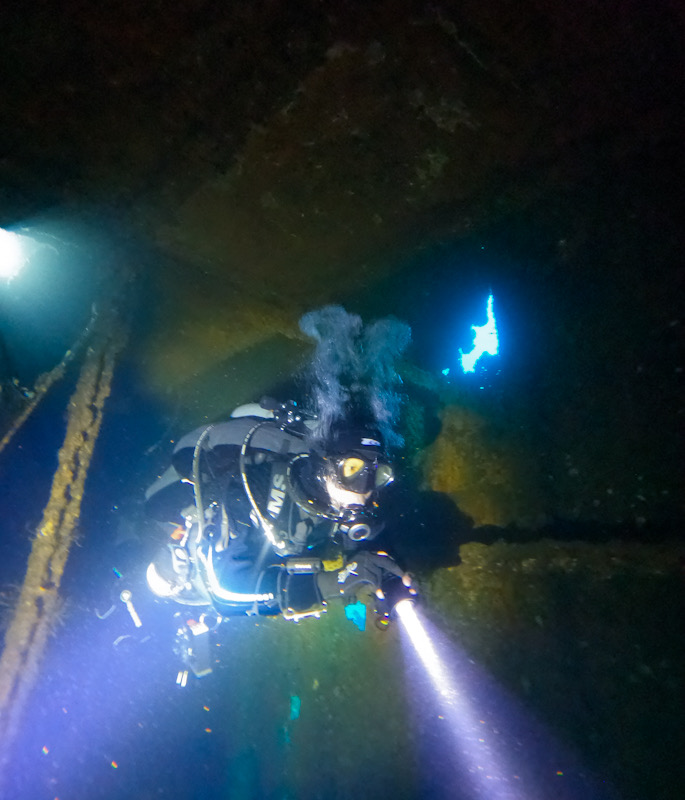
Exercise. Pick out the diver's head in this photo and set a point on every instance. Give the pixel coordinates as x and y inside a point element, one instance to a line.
<point>351,468</point>
<point>340,479</point>
<point>354,465</point>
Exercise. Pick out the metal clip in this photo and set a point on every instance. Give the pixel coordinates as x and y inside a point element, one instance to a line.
<point>126,599</point>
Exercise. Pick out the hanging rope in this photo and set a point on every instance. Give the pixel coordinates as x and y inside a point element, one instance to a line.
<point>39,603</point>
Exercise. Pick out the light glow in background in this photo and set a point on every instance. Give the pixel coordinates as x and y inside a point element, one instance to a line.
<point>13,253</point>
<point>485,340</point>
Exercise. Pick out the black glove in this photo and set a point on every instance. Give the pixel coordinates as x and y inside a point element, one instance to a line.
<point>365,571</point>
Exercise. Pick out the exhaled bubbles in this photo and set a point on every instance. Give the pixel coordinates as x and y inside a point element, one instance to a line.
<point>354,368</point>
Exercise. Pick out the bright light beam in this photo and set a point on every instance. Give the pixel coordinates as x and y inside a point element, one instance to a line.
<point>469,734</point>
<point>424,647</point>
<point>485,341</point>
<point>481,740</point>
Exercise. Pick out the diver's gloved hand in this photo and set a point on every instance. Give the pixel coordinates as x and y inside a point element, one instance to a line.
<point>370,571</point>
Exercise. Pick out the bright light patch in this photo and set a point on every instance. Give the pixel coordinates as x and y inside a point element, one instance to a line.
<point>478,737</point>
<point>485,341</point>
<point>12,256</point>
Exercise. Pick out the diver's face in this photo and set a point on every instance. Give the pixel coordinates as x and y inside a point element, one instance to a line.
<point>341,497</point>
<point>351,480</point>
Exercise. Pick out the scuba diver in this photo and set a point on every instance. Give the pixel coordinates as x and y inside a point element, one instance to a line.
<point>274,511</point>
<point>263,519</point>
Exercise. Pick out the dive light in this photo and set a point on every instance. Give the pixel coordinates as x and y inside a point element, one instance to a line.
<point>393,591</point>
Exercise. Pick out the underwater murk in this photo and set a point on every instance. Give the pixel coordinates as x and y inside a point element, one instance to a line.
<point>433,210</point>
<point>541,656</point>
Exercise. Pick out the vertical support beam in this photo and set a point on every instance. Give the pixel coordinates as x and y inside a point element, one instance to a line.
<point>39,602</point>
